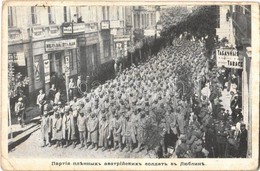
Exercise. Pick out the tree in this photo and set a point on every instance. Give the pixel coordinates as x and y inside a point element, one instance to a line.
<point>171,20</point>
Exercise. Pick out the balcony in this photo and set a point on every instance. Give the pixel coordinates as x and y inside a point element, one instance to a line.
<point>14,35</point>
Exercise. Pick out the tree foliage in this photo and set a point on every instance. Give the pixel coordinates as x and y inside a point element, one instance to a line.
<point>201,22</point>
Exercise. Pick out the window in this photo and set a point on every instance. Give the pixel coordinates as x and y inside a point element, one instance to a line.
<point>106,48</point>
<point>66,14</point>
<point>218,17</point>
<point>10,17</point>
<point>51,15</point>
<point>117,10</point>
<point>34,15</point>
<point>107,13</point>
<point>104,13</point>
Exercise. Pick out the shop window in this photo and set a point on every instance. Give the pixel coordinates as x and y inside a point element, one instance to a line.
<point>51,15</point>
<point>10,17</point>
<point>34,15</point>
<point>106,48</point>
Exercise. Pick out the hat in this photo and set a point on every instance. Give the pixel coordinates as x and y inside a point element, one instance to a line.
<point>20,99</point>
<point>242,124</point>
<point>59,103</point>
<point>67,108</point>
<point>45,113</point>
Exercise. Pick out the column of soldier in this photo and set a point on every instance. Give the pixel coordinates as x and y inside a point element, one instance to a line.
<point>115,114</point>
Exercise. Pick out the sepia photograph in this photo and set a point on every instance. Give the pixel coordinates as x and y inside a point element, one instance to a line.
<point>130,82</point>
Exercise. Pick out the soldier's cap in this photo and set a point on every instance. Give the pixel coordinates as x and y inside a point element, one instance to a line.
<point>67,108</point>
<point>243,124</point>
<point>75,98</point>
<point>45,113</point>
<point>59,103</point>
<point>55,108</point>
<point>183,137</point>
<point>20,99</point>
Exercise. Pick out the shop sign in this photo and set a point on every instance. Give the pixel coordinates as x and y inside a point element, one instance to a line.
<point>36,70</point>
<point>159,27</point>
<point>105,25</point>
<point>121,38</point>
<point>47,70</point>
<point>60,45</point>
<point>149,32</point>
<point>113,32</point>
<point>115,24</point>
<point>74,28</point>
<point>54,30</point>
<point>38,32</point>
<point>17,57</point>
<point>230,58</point>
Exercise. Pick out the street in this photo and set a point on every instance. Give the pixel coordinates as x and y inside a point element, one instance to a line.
<point>32,148</point>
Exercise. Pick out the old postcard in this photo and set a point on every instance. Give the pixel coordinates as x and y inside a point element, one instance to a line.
<point>133,85</point>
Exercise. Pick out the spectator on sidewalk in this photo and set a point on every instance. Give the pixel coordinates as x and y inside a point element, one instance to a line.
<point>57,97</point>
<point>45,125</point>
<point>242,139</point>
<point>82,126</point>
<point>57,129</point>
<point>20,110</point>
<point>41,100</point>
<point>52,93</point>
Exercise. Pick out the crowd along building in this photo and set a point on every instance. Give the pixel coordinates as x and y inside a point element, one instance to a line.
<point>51,43</point>
<point>234,25</point>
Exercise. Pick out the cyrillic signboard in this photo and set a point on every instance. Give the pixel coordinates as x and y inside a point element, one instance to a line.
<point>74,28</point>
<point>105,25</point>
<point>121,38</point>
<point>60,45</point>
<point>229,58</point>
<point>115,24</point>
<point>150,32</point>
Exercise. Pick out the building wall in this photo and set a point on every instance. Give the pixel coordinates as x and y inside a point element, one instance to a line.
<point>32,37</point>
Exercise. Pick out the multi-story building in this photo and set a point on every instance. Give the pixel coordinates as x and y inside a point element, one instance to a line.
<point>144,20</point>
<point>235,25</point>
<point>65,41</point>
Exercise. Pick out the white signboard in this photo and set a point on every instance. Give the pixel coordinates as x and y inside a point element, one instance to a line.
<point>47,70</point>
<point>60,45</point>
<point>121,38</point>
<point>105,25</point>
<point>150,32</point>
<point>113,32</point>
<point>229,58</point>
<point>68,29</point>
<point>115,24</point>
<point>20,58</point>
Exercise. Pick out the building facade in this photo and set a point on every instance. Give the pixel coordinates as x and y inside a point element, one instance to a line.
<point>51,44</point>
<point>235,26</point>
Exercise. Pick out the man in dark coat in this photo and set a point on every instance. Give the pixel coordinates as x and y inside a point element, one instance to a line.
<point>242,148</point>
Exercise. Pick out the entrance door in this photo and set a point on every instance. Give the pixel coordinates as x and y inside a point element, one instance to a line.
<point>83,60</point>
<point>58,62</point>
